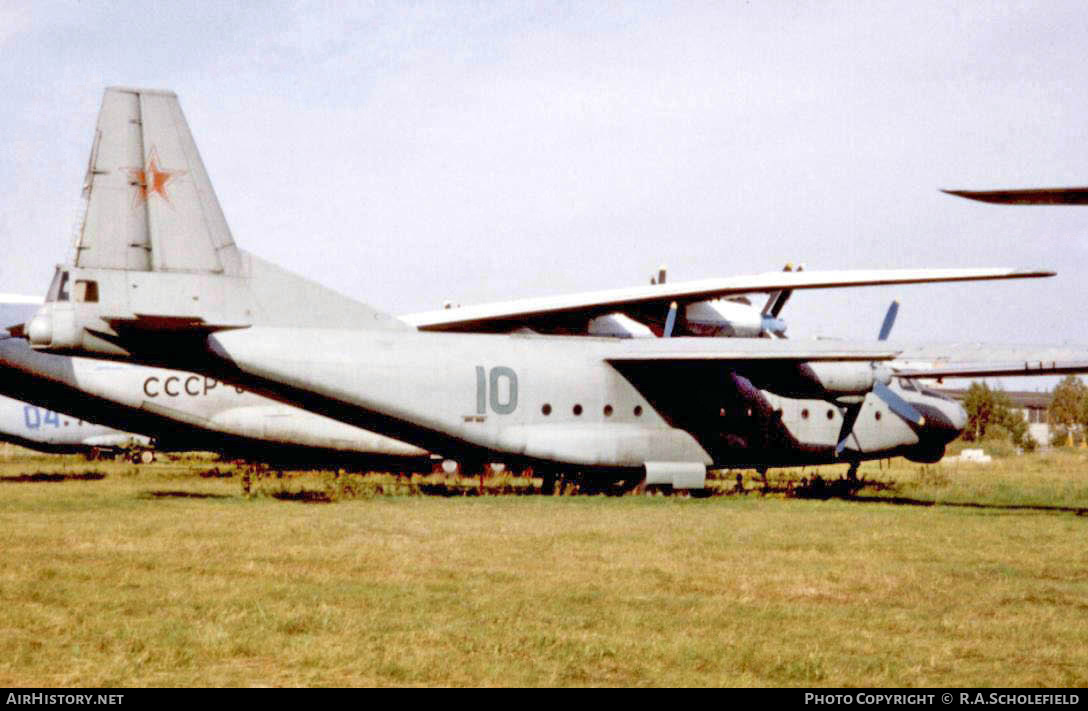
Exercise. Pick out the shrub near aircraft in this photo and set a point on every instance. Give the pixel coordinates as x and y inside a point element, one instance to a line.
<point>157,278</point>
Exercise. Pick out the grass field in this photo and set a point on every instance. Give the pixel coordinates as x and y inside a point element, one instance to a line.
<point>159,576</point>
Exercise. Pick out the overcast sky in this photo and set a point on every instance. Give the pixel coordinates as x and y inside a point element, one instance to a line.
<point>407,153</point>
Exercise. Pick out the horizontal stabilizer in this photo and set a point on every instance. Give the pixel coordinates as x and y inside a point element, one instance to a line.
<point>6,299</point>
<point>16,310</point>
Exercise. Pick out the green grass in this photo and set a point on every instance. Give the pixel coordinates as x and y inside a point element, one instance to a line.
<point>158,576</point>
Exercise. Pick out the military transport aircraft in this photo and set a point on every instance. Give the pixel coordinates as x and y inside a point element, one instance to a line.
<point>35,425</point>
<point>186,411</point>
<point>49,431</point>
<point>170,410</point>
<point>157,278</point>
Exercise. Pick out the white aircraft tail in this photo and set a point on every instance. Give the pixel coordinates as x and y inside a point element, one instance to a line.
<point>154,250</point>
<point>149,203</point>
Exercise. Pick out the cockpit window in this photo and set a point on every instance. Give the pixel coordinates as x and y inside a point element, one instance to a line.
<point>907,384</point>
<point>58,290</point>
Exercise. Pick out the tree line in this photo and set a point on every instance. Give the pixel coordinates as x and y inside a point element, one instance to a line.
<point>991,416</point>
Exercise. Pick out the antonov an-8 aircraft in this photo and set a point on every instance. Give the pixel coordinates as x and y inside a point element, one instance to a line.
<point>157,278</point>
<point>185,411</point>
<point>50,431</point>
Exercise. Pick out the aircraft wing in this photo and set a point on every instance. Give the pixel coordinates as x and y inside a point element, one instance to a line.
<point>20,299</point>
<point>1031,196</point>
<point>803,354</point>
<point>977,360</point>
<point>979,370</point>
<point>569,313</point>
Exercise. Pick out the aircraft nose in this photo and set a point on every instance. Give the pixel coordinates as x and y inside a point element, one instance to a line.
<point>944,420</point>
<point>958,416</point>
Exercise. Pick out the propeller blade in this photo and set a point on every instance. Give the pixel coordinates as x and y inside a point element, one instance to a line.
<point>889,321</point>
<point>849,419</point>
<point>781,297</point>
<point>670,320</point>
<point>897,404</point>
<point>771,300</point>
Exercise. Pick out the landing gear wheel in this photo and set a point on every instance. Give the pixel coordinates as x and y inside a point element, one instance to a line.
<point>547,483</point>
<point>145,457</point>
<point>852,472</point>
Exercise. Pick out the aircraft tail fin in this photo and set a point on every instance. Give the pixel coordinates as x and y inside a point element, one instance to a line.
<point>149,204</point>
<point>154,253</point>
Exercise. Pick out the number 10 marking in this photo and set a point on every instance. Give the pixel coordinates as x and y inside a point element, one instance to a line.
<point>494,381</point>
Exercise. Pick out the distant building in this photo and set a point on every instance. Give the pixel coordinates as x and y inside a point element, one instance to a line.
<point>1032,406</point>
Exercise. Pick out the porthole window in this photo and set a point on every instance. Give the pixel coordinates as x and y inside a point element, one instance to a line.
<point>878,414</point>
<point>830,414</point>
<point>547,409</point>
<point>804,414</point>
<point>577,409</point>
<point>608,411</point>
<point>638,410</point>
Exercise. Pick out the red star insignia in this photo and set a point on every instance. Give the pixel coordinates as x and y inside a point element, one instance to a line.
<point>151,179</point>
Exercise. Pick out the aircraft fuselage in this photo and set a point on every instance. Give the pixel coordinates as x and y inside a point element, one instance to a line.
<point>560,400</point>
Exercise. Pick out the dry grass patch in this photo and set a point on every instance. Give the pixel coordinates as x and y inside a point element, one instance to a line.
<point>103,583</point>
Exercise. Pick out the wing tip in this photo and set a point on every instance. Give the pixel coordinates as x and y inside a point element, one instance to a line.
<point>1034,273</point>
<point>1025,196</point>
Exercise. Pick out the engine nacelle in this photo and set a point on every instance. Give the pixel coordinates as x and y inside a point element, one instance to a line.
<point>617,325</point>
<point>830,380</point>
<point>725,318</point>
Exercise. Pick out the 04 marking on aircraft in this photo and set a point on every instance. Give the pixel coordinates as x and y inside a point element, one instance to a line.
<point>34,419</point>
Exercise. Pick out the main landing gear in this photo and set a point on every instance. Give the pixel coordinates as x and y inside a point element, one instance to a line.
<point>852,472</point>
